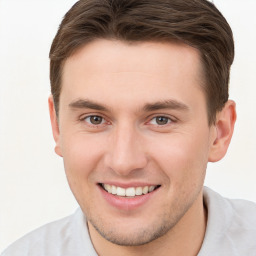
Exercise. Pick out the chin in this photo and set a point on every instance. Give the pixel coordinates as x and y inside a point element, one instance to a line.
<point>134,233</point>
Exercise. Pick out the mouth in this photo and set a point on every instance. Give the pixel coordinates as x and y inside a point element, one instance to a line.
<point>129,192</point>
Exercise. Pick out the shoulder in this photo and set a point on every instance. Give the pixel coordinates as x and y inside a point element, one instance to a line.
<point>241,210</point>
<point>231,225</point>
<point>67,236</point>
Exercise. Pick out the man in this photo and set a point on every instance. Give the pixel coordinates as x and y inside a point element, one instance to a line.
<point>139,106</point>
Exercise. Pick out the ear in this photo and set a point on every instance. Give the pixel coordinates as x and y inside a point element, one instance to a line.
<point>55,125</point>
<point>224,126</point>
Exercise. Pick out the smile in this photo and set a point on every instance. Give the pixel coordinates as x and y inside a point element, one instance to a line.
<point>128,192</point>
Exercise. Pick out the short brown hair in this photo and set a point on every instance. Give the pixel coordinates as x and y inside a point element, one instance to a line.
<point>197,23</point>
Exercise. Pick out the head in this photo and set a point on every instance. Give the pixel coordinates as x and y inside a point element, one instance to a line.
<point>140,101</point>
<point>197,23</point>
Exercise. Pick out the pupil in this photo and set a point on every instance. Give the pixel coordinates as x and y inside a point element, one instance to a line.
<point>161,120</point>
<point>96,119</point>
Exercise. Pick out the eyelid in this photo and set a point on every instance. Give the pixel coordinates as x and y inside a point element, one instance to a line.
<point>171,119</point>
<point>83,118</point>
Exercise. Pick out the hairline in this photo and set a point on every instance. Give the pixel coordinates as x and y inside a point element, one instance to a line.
<point>201,73</point>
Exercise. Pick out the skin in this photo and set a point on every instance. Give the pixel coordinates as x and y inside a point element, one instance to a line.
<point>127,86</point>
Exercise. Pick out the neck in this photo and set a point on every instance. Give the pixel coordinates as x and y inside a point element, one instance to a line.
<point>185,238</point>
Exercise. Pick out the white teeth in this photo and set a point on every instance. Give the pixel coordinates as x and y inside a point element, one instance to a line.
<point>114,190</point>
<point>138,191</point>
<point>108,188</point>
<point>129,192</point>
<point>120,191</point>
<point>151,188</point>
<point>145,190</point>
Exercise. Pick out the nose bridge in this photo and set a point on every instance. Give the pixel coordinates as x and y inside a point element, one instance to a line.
<point>126,152</point>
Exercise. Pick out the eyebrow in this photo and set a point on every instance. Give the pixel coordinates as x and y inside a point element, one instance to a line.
<point>166,104</point>
<point>83,103</point>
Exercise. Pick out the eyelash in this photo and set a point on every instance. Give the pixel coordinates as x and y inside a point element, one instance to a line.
<point>168,119</point>
<point>83,119</point>
<point>105,122</point>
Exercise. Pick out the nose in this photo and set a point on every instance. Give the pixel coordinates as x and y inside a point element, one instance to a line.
<point>126,151</point>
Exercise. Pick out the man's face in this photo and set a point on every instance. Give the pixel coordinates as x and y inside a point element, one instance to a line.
<point>134,116</point>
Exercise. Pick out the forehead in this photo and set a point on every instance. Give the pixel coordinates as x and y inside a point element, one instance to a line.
<point>114,55</point>
<point>143,71</point>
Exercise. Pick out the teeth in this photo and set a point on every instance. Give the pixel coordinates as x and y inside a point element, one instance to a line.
<point>129,192</point>
<point>108,188</point>
<point>120,191</point>
<point>151,188</point>
<point>138,191</point>
<point>114,190</point>
<point>145,190</point>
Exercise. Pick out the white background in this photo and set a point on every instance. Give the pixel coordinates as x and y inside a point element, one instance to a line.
<point>33,187</point>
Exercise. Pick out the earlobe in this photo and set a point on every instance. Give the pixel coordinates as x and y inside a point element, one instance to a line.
<point>225,122</point>
<point>55,125</point>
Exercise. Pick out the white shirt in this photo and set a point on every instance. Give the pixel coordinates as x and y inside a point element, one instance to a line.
<point>231,231</point>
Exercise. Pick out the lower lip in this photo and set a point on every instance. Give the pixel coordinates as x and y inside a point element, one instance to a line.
<point>127,203</point>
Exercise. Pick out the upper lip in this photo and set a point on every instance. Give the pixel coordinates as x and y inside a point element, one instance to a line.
<point>129,185</point>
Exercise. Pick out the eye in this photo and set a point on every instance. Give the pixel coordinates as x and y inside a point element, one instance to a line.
<point>94,120</point>
<point>160,120</point>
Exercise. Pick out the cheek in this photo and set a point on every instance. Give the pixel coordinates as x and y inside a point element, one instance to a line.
<point>183,158</point>
<point>81,154</point>
<point>81,157</point>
